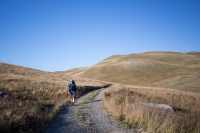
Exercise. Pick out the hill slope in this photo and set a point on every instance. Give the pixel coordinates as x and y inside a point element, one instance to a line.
<point>36,97</point>
<point>148,69</point>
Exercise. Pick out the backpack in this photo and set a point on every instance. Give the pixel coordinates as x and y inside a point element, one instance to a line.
<point>72,87</point>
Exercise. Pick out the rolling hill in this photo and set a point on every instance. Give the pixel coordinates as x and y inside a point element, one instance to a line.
<point>38,95</point>
<point>156,69</point>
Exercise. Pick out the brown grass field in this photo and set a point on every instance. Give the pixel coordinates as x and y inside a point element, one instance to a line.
<point>37,97</point>
<point>156,69</point>
<point>124,104</point>
<point>154,77</point>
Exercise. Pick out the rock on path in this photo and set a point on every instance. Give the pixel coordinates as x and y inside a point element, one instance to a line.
<point>95,118</point>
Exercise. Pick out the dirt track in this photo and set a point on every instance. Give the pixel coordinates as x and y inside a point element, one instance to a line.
<point>92,118</point>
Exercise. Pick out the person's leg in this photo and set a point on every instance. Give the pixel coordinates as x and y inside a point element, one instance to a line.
<point>73,97</point>
<point>75,94</point>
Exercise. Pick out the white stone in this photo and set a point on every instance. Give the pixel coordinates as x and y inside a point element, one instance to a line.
<point>159,106</point>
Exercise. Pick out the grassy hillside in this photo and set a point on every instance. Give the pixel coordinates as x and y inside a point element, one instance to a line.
<point>189,82</point>
<point>148,69</point>
<point>37,97</point>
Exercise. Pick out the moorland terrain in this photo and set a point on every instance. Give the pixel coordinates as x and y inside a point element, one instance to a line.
<point>154,77</point>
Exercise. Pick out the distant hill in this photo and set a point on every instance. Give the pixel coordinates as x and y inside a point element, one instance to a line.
<point>158,69</point>
<point>19,74</point>
<point>155,69</point>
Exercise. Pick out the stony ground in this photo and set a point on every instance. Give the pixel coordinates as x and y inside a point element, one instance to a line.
<point>87,116</point>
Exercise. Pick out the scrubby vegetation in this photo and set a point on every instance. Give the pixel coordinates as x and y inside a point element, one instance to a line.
<point>37,96</point>
<point>124,103</point>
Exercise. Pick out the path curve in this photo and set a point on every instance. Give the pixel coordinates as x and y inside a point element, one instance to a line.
<point>95,118</point>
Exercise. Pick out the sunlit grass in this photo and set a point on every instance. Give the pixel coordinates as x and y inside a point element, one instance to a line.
<point>37,97</point>
<point>124,105</point>
<point>149,69</point>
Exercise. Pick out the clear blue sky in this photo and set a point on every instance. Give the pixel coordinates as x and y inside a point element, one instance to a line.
<point>57,35</point>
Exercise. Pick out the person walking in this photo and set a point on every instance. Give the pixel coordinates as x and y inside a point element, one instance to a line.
<point>72,91</point>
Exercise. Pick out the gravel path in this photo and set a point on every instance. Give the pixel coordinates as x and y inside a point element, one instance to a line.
<point>92,118</point>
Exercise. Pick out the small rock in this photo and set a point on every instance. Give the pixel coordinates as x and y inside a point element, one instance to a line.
<point>5,95</point>
<point>159,106</point>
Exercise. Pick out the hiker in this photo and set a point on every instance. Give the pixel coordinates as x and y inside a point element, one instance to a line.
<point>72,91</point>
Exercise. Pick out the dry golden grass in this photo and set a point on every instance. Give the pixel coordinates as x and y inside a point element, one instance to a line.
<point>148,69</point>
<point>123,102</point>
<point>37,97</point>
<point>185,82</point>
